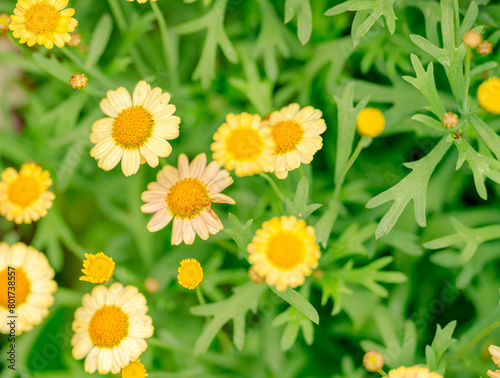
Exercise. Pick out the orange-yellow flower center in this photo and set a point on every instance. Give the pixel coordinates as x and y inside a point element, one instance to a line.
<point>108,326</point>
<point>190,273</point>
<point>244,143</point>
<point>286,135</point>
<point>132,127</point>
<point>285,250</point>
<point>23,191</point>
<point>188,198</point>
<point>42,18</point>
<point>134,370</point>
<point>22,287</point>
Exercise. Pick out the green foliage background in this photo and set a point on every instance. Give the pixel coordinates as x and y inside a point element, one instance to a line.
<point>396,275</point>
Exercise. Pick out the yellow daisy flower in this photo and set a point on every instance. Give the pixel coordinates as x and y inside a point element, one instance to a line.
<point>97,268</point>
<point>190,273</point>
<point>111,328</point>
<point>413,372</point>
<point>34,286</point>
<point>185,194</point>
<point>488,95</point>
<point>284,251</point>
<point>24,197</point>
<point>495,356</point>
<point>136,130</point>
<point>134,370</point>
<point>45,22</point>
<point>296,136</point>
<point>244,144</point>
<point>371,122</point>
<point>373,361</point>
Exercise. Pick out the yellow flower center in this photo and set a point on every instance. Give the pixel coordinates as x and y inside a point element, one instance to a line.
<point>187,198</point>
<point>108,326</point>
<point>22,287</point>
<point>132,127</point>
<point>134,370</point>
<point>244,143</point>
<point>23,191</point>
<point>372,359</point>
<point>285,250</point>
<point>100,268</point>
<point>286,135</point>
<point>42,18</point>
<point>190,273</point>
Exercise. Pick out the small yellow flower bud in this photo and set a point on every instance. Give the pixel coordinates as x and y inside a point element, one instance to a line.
<point>75,40</point>
<point>152,285</point>
<point>472,39</point>
<point>373,361</point>
<point>4,23</point>
<point>254,276</point>
<point>449,120</point>
<point>371,122</point>
<point>78,81</point>
<point>484,48</point>
<point>488,95</point>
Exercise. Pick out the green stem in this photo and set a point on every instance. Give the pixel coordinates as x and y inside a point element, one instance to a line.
<point>457,21</point>
<point>350,162</point>
<point>465,105</point>
<point>200,296</point>
<point>382,372</point>
<point>274,186</point>
<point>475,340</point>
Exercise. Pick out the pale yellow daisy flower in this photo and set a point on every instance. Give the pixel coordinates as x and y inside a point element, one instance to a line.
<point>185,194</point>
<point>136,130</point>
<point>190,274</point>
<point>284,251</point>
<point>97,268</point>
<point>495,356</point>
<point>34,286</point>
<point>296,136</point>
<point>134,370</point>
<point>45,22</point>
<point>243,144</point>
<point>413,372</point>
<point>24,197</point>
<point>111,328</point>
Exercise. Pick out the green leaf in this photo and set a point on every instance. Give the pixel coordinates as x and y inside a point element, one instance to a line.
<point>295,321</point>
<point>53,67</point>
<point>442,341</point>
<point>469,19</point>
<point>100,38</point>
<point>242,235</point>
<point>472,237</point>
<point>298,301</point>
<point>244,299</point>
<point>489,137</point>
<point>350,242</point>
<point>304,21</point>
<point>299,206</point>
<point>325,224</point>
<point>404,241</point>
<point>412,187</point>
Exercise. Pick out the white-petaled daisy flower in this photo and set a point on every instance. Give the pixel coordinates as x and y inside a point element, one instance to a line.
<point>45,22</point>
<point>284,251</point>
<point>111,328</point>
<point>136,130</point>
<point>243,143</point>
<point>296,136</point>
<point>185,194</point>
<point>24,197</point>
<point>34,286</point>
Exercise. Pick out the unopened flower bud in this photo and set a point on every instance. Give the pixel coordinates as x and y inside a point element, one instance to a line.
<point>370,123</point>
<point>472,39</point>
<point>78,81</point>
<point>373,360</point>
<point>75,40</point>
<point>484,48</point>
<point>151,285</point>
<point>4,23</point>
<point>449,120</point>
<point>254,276</point>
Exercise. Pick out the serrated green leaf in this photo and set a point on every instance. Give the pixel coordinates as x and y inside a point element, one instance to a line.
<point>242,235</point>
<point>489,137</point>
<point>304,22</point>
<point>442,341</point>
<point>299,206</point>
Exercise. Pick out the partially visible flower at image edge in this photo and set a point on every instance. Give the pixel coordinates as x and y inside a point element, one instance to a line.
<point>488,95</point>
<point>135,369</point>
<point>136,130</point>
<point>141,1</point>
<point>111,328</point>
<point>370,122</point>
<point>24,197</point>
<point>34,286</point>
<point>190,274</point>
<point>495,356</point>
<point>185,194</point>
<point>284,252</point>
<point>412,372</point>
<point>45,22</point>
<point>97,268</point>
<point>243,144</point>
<point>296,136</point>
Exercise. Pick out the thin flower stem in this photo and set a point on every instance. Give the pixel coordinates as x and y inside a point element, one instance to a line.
<point>457,20</point>
<point>475,340</point>
<point>274,186</point>
<point>350,162</point>
<point>200,296</point>
<point>465,106</point>
<point>382,372</point>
